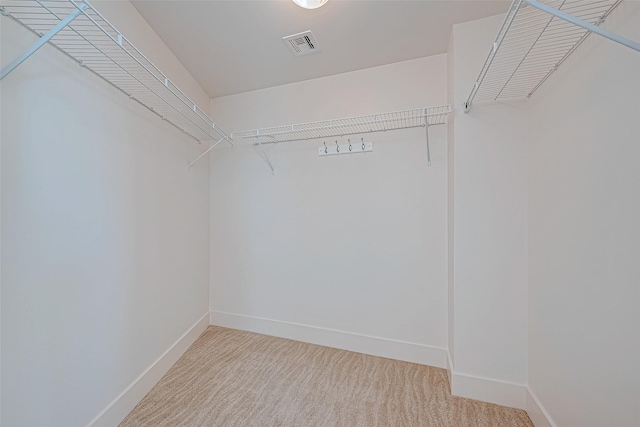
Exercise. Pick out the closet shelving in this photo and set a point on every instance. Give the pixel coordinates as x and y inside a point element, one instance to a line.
<point>348,126</point>
<point>421,117</point>
<point>535,39</point>
<point>80,31</point>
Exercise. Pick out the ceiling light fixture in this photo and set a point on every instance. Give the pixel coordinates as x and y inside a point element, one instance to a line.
<point>310,4</point>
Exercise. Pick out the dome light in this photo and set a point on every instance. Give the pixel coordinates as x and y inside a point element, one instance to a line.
<point>310,4</point>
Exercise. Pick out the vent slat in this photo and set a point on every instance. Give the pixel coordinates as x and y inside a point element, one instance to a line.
<point>302,43</point>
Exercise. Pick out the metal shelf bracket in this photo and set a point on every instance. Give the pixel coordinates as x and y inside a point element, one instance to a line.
<point>426,128</point>
<point>264,153</point>
<point>209,149</point>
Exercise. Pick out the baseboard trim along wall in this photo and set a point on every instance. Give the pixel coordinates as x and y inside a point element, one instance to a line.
<point>539,416</point>
<point>117,410</point>
<point>487,389</point>
<point>376,346</point>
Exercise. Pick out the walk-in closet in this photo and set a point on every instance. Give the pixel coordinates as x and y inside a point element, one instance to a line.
<point>305,213</point>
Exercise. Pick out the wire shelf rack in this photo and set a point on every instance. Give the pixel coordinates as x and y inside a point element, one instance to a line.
<point>533,42</point>
<point>82,33</point>
<point>348,126</point>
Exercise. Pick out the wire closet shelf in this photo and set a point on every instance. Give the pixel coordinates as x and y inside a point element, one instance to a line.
<point>535,39</point>
<point>421,117</point>
<point>81,32</point>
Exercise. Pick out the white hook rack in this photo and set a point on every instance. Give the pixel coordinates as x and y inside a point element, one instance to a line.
<point>77,29</point>
<point>535,39</point>
<point>348,148</point>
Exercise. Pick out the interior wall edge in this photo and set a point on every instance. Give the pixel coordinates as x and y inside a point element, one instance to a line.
<point>449,368</point>
<point>360,343</point>
<point>538,414</point>
<point>120,407</point>
<point>488,390</point>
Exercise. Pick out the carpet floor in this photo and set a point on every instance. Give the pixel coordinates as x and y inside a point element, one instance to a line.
<point>235,378</point>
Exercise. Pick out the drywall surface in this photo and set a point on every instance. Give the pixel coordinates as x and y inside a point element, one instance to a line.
<point>352,243</point>
<point>105,241</point>
<point>489,238</point>
<point>584,275</point>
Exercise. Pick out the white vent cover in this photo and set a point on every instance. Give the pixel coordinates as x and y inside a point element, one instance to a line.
<point>301,43</point>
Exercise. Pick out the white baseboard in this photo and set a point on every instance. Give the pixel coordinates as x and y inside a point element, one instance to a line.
<point>376,346</point>
<point>117,410</point>
<point>489,390</point>
<point>539,416</point>
<point>486,389</point>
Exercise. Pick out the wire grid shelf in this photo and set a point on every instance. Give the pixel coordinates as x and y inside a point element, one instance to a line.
<point>348,126</point>
<point>97,45</point>
<point>532,44</point>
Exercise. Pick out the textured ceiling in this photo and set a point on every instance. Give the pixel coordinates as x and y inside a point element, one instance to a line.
<point>236,46</point>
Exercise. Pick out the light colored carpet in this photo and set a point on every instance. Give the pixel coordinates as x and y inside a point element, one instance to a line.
<point>236,378</point>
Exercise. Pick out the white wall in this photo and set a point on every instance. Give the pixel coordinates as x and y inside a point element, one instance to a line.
<point>354,244</point>
<point>489,238</point>
<point>584,293</point>
<point>105,233</point>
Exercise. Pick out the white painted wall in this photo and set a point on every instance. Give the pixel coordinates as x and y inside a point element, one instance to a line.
<point>105,232</point>
<point>584,293</point>
<point>355,244</point>
<point>489,236</point>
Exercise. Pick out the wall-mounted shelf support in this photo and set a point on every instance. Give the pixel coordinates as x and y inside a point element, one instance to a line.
<point>535,39</point>
<point>264,153</point>
<point>206,151</point>
<point>426,131</point>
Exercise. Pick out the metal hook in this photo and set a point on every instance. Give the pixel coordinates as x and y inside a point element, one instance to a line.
<point>337,146</point>
<point>349,144</point>
<point>362,139</point>
<point>326,150</point>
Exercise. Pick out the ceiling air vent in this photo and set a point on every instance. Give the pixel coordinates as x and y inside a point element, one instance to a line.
<point>301,43</point>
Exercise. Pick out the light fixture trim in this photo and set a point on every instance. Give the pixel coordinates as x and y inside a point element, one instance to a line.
<point>310,4</point>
